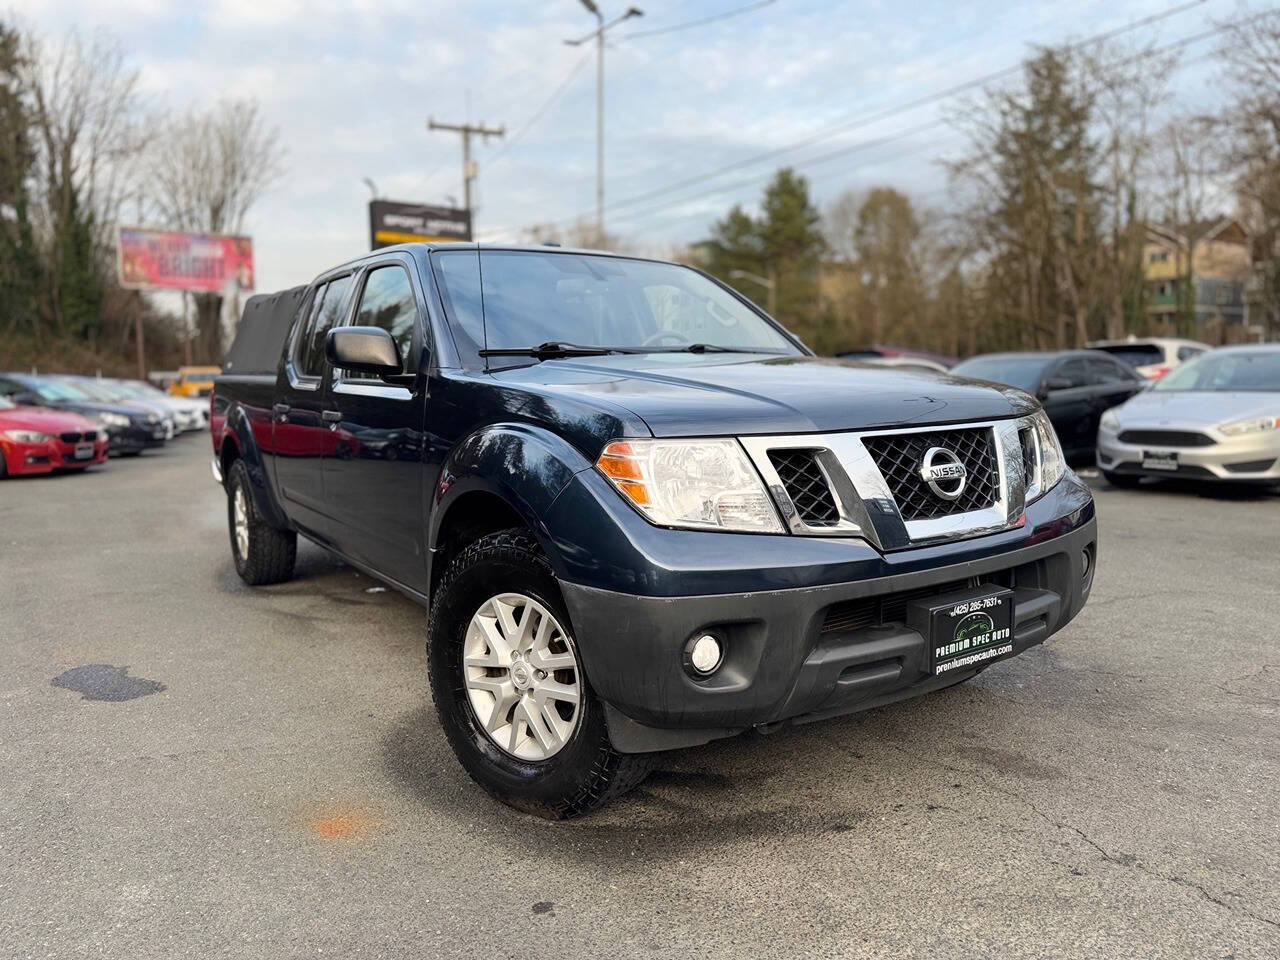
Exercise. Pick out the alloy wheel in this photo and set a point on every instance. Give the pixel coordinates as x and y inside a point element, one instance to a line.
<point>522,676</point>
<point>240,517</point>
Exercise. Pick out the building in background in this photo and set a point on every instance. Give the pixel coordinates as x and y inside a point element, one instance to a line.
<point>1221,269</point>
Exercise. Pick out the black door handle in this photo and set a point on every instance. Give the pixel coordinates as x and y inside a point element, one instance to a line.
<point>331,416</point>
<point>281,411</point>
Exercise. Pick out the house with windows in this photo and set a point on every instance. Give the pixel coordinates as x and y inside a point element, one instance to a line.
<point>1220,272</point>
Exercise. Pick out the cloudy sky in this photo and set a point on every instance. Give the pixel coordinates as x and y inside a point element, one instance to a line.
<point>351,84</point>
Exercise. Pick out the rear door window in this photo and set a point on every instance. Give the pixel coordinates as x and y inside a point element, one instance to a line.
<point>1074,372</point>
<point>326,314</point>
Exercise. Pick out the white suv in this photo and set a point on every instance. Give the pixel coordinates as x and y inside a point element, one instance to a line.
<point>1152,357</point>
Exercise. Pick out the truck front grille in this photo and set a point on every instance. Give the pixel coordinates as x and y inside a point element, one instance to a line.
<point>885,609</point>
<point>899,458</point>
<point>806,485</point>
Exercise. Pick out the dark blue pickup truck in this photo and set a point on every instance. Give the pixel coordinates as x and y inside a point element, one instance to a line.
<point>641,513</point>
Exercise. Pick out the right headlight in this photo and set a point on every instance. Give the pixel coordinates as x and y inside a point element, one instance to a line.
<point>108,419</point>
<point>699,484</point>
<point>27,436</point>
<point>1050,464</point>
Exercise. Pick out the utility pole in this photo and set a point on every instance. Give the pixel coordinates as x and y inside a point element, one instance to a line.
<point>466,130</point>
<point>598,33</point>
<point>770,284</point>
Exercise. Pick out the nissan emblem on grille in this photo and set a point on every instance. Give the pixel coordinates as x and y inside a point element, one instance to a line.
<point>941,469</point>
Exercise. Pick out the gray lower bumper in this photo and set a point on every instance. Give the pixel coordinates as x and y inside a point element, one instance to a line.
<point>799,654</point>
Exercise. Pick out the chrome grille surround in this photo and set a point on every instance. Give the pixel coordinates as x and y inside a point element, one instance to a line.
<point>866,504</point>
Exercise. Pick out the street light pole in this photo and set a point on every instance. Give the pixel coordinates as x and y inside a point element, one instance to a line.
<point>770,284</point>
<point>599,33</point>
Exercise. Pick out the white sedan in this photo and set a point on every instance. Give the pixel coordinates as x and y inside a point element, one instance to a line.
<point>1216,417</point>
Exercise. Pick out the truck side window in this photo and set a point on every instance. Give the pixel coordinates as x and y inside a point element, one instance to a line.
<point>388,302</point>
<point>327,313</point>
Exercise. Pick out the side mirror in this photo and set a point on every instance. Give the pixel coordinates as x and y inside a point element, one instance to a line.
<point>25,398</point>
<point>1056,383</point>
<point>365,349</point>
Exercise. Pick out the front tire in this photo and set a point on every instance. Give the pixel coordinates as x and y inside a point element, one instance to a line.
<point>534,738</point>
<point>262,553</point>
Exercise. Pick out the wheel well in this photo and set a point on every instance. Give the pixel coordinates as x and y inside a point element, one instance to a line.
<point>469,518</point>
<point>229,454</point>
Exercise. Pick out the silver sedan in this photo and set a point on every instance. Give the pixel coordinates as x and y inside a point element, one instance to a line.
<point>1214,418</point>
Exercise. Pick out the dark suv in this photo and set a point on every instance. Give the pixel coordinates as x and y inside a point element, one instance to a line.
<point>641,513</point>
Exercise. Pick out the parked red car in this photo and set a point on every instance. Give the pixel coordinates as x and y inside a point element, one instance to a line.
<point>42,440</point>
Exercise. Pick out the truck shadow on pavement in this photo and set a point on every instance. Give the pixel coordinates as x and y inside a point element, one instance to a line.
<point>804,782</point>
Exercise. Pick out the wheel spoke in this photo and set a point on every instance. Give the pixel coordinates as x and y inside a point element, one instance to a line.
<point>494,636</point>
<point>550,662</point>
<point>544,734</point>
<point>552,690</point>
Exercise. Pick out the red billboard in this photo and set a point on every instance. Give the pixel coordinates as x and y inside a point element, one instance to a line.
<point>201,262</point>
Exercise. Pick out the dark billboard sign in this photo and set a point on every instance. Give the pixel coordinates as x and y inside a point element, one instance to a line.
<point>391,222</point>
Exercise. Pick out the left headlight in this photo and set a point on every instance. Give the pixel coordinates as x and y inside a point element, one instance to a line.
<point>699,484</point>
<point>1050,464</point>
<point>112,419</point>
<point>1253,425</point>
<point>1110,420</point>
<point>27,436</point>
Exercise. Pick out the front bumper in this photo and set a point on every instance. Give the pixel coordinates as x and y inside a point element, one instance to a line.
<point>137,437</point>
<point>819,649</point>
<point>23,459</point>
<point>1251,458</point>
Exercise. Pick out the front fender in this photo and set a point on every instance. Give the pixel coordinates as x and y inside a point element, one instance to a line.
<point>525,466</point>
<point>249,428</point>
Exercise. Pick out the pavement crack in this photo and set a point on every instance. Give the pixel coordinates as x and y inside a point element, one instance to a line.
<point>1120,860</point>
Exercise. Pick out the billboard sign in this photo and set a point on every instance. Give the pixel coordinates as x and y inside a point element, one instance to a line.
<point>199,262</point>
<point>391,222</point>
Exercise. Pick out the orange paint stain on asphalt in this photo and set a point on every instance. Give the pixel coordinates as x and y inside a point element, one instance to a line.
<point>342,826</point>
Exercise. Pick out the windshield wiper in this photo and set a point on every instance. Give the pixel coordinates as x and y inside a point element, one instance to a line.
<point>550,351</point>
<point>703,348</point>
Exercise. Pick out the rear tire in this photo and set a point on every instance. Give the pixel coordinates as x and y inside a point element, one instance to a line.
<point>4,466</point>
<point>262,553</point>
<point>1125,481</point>
<point>580,771</point>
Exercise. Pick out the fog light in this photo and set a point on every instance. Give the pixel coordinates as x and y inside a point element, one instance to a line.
<point>1086,567</point>
<point>705,654</point>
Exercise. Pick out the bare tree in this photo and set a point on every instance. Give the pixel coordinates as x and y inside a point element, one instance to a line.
<point>1131,86</point>
<point>1250,49</point>
<point>1188,161</point>
<point>207,170</point>
<point>90,127</point>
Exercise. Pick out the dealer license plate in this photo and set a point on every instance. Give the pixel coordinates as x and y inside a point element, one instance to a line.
<point>84,451</point>
<point>965,629</point>
<point>1160,460</point>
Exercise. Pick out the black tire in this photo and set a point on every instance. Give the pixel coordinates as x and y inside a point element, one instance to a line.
<point>4,466</point>
<point>586,772</point>
<point>1125,481</point>
<point>271,552</point>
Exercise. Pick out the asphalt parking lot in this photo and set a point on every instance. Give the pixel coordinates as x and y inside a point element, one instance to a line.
<point>267,779</point>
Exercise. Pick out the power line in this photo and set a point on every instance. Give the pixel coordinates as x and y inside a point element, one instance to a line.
<point>901,134</point>
<point>883,114</point>
<point>700,22</point>
<point>542,110</point>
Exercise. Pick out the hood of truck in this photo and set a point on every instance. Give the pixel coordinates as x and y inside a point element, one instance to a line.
<point>682,395</point>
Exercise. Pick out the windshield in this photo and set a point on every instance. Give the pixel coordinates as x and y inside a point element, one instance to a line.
<point>50,390</point>
<point>96,391</point>
<point>504,299</point>
<point>1024,373</point>
<point>1135,354</point>
<point>1221,372</point>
